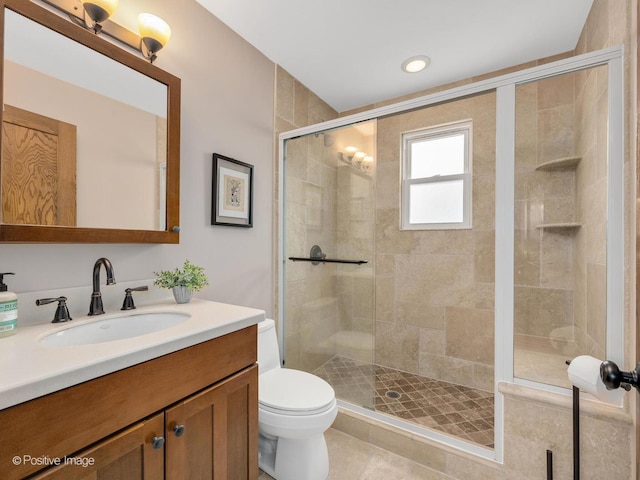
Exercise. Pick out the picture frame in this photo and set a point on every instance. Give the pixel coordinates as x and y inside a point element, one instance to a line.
<point>232,192</point>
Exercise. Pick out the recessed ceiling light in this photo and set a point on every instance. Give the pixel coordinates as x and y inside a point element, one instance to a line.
<point>415,64</point>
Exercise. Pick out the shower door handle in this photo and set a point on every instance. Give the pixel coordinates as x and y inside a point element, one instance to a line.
<point>316,256</point>
<point>326,260</point>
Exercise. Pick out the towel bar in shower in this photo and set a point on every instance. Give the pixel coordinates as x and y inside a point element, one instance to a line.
<point>316,256</point>
<point>315,261</point>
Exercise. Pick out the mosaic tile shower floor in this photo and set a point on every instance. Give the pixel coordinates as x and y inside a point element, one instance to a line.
<point>464,412</point>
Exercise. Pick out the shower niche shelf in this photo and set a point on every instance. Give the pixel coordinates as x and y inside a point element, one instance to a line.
<point>559,164</point>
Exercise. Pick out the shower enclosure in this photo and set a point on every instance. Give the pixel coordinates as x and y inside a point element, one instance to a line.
<point>409,333</point>
<point>416,276</point>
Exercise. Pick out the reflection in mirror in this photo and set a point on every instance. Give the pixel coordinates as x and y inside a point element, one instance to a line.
<point>54,209</point>
<point>560,291</point>
<point>110,172</point>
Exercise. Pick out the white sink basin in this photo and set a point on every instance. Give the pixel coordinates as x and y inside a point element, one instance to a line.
<point>114,328</point>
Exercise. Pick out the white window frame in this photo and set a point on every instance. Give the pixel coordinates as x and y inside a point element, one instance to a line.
<point>408,138</point>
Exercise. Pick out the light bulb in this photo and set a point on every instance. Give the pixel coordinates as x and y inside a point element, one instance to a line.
<point>415,64</point>
<point>99,10</point>
<point>152,27</point>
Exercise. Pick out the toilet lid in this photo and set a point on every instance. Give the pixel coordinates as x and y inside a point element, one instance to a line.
<point>294,390</point>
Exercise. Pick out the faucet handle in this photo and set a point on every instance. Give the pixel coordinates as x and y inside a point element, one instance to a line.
<point>62,312</point>
<point>128,298</point>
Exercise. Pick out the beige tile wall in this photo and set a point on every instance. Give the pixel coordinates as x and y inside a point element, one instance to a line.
<point>544,263</point>
<point>356,210</point>
<point>560,274</point>
<point>328,307</point>
<point>591,207</point>
<point>435,288</point>
<point>311,307</point>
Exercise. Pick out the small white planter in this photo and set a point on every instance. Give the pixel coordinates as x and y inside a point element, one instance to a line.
<point>182,294</point>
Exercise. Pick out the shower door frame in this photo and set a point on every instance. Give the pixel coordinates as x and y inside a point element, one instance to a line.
<point>505,86</point>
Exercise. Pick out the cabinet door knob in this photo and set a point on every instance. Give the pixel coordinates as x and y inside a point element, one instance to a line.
<point>178,430</point>
<point>157,443</point>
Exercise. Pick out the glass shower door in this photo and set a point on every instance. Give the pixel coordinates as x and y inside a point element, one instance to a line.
<point>329,306</point>
<point>560,291</point>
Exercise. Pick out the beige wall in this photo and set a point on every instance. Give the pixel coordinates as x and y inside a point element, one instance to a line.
<point>591,176</point>
<point>546,226</point>
<point>543,262</point>
<point>227,108</point>
<point>311,309</point>
<point>435,288</point>
<point>311,306</point>
<point>560,274</point>
<point>590,300</point>
<point>356,241</point>
<point>330,204</point>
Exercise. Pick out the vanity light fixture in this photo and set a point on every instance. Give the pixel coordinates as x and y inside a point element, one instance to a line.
<point>98,11</point>
<point>367,164</point>
<point>415,64</point>
<point>347,155</point>
<point>358,159</point>
<point>154,34</point>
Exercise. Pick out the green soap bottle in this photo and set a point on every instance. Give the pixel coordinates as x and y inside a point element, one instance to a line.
<point>8,309</point>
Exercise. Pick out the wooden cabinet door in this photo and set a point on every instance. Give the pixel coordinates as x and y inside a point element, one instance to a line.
<point>214,434</point>
<point>129,455</point>
<point>38,169</point>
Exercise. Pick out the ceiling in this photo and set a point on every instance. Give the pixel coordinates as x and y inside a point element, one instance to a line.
<point>349,52</point>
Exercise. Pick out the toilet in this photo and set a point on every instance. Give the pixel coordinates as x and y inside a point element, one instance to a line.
<point>295,409</point>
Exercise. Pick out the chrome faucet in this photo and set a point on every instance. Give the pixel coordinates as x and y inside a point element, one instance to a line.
<point>96,307</point>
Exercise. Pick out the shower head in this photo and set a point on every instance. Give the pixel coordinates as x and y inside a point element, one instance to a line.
<point>328,138</point>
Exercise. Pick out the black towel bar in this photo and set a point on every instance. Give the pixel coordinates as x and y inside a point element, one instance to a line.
<point>316,256</point>
<point>326,260</point>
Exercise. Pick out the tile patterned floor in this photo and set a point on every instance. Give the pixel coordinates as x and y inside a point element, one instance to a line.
<point>464,412</point>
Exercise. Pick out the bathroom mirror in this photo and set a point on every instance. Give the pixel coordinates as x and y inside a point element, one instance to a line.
<point>108,123</point>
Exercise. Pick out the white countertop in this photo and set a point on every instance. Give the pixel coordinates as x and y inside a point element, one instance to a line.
<point>30,369</point>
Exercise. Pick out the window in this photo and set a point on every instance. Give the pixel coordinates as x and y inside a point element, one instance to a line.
<point>436,178</point>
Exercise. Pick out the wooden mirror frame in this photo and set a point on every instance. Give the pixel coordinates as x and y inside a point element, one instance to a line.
<point>11,233</point>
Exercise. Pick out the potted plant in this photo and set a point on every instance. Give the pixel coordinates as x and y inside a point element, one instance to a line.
<point>183,282</point>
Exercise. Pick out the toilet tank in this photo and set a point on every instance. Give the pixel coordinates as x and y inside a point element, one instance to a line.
<point>268,352</point>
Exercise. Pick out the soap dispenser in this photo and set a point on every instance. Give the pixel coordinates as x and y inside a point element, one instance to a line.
<point>8,309</point>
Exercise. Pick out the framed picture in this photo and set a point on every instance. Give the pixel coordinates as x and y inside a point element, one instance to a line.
<point>232,192</point>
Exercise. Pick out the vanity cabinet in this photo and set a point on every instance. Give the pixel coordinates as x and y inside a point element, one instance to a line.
<point>189,414</point>
<point>125,455</point>
<point>209,432</point>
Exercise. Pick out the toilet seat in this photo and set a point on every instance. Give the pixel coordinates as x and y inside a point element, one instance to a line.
<point>293,392</point>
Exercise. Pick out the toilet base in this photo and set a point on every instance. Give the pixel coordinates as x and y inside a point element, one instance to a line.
<point>294,459</point>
